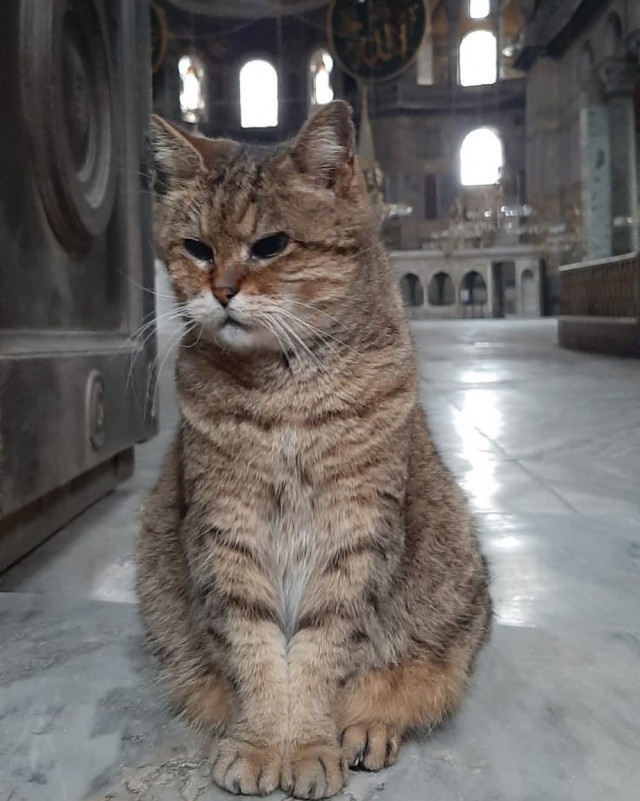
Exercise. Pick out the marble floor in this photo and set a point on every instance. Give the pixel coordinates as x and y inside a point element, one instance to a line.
<point>546,444</point>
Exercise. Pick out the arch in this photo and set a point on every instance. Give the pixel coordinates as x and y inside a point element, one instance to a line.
<point>192,94</point>
<point>411,290</point>
<point>441,291</point>
<point>481,158</point>
<point>473,289</point>
<point>321,83</point>
<point>528,304</point>
<point>478,59</point>
<point>258,94</point>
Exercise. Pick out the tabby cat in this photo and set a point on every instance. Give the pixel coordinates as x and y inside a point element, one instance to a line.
<point>309,575</point>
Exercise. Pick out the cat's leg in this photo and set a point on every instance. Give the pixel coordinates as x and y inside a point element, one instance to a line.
<point>377,708</point>
<point>195,688</point>
<point>315,766</point>
<point>249,758</point>
<point>238,607</point>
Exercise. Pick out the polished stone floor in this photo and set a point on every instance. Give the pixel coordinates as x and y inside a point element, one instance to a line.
<point>547,446</point>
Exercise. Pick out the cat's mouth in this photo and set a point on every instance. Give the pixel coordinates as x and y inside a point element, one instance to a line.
<point>232,322</point>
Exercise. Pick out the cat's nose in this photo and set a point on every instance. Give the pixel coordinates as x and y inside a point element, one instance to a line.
<point>223,294</point>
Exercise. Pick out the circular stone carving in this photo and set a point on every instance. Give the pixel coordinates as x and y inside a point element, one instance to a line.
<point>68,111</point>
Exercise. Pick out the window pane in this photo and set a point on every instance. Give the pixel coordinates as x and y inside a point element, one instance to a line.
<point>478,9</point>
<point>478,59</point>
<point>321,65</point>
<point>481,158</point>
<point>191,88</point>
<point>258,95</point>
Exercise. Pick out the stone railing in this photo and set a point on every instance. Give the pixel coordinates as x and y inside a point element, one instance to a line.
<point>600,305</point>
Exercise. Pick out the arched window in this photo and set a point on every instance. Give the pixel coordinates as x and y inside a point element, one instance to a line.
<point>411,290</point>
<point>479,9</point>
<point>320,67</point>
<point>441,292</point>
<point>473,290</point>
<point>192,101</point>
<point>478,59</point>
<point>481,158</point>
<point>258,95</point>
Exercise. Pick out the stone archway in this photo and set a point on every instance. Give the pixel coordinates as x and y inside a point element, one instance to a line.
<point>441,290</point>
<point>411,290</point>
<point>473,293</point>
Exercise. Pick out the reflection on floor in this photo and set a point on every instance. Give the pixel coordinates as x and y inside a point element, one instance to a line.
<point>547,445</point>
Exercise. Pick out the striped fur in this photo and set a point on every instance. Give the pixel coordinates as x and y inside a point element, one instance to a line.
<point>309,574</point>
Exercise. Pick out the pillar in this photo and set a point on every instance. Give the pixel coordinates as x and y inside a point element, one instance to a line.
<point>618,76</point>
<point>452,10</point>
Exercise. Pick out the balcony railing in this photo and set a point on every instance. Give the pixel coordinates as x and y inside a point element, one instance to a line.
<point>608,288</point>
<point>600,305</point>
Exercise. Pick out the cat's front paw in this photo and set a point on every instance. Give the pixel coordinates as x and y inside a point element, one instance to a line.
<point>370,746</point>
<point>315,771</point>
<point>240,767</point>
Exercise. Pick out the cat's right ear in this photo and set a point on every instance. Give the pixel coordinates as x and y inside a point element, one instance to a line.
<point>177,154</point>
<point>174,156</point>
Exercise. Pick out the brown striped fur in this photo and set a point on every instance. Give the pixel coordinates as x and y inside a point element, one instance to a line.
<point>309,574</point>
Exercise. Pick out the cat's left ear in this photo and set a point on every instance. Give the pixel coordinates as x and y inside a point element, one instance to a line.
<point>325,147</point>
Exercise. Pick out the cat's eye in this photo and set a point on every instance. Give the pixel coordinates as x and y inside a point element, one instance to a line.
<point>269,246</point>
<point>198,250</point>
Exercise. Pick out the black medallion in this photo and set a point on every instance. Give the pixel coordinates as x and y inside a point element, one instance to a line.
<point>376,39</point>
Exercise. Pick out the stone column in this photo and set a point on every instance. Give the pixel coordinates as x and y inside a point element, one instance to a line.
<point>595,166</point>
<point>496,25</point>
<point>452,10</point>
<point>633,44</point>
<point>618,76</point>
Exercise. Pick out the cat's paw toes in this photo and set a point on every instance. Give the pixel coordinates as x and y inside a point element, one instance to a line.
<point>315,771</point>
<point>372,747</point>
<point>246,769</point>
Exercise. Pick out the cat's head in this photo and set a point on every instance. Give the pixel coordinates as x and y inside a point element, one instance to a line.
<point>262,245</point>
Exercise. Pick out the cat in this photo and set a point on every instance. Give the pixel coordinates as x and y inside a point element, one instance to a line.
<point>309,574</point>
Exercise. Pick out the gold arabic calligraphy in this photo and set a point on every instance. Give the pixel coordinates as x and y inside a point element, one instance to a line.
<point>383,39</point>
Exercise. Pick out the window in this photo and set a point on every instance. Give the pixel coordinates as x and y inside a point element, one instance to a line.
<point>258,95</point>
<point>411,290</point>
<point>481,158</point>
<point>321,66</point>
<point>479,9</point>
<point>424,62</point>
<point>478,59</point>
<point>441,292</point>
<point>192,102</point>
<point>473,290</point>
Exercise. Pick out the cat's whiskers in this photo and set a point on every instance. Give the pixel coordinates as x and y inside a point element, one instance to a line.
<point>324,336</point>
<point>140,338</point>
<point>189,326</point>
<point>284,324</point>
<point>267,324</point>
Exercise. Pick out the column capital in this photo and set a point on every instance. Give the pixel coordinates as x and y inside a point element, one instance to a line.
<point>618,76</point>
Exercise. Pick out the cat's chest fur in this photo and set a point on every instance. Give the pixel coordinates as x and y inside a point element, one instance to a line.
<point>293,540</point>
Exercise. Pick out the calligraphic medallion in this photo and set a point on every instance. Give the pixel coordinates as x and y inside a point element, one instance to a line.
<point>374,40</point>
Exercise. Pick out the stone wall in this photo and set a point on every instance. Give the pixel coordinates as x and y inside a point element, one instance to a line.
<point>582,131</point>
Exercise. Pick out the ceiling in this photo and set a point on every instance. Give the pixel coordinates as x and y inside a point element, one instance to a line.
<point>248,9</point>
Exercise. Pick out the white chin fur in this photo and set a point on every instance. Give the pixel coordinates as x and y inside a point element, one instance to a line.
<point>206,310</point>
<point>243,340</point>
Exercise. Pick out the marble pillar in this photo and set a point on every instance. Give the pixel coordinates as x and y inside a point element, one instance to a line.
<point>618,76</point>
